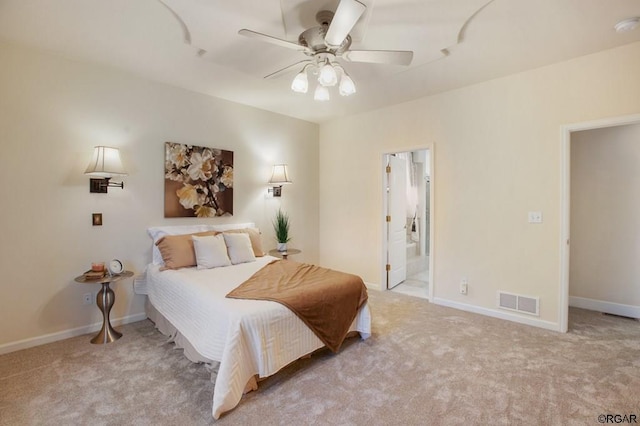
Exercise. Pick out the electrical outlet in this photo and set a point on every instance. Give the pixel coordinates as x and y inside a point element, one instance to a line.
<point>464,286</point>
<point>86,298</point>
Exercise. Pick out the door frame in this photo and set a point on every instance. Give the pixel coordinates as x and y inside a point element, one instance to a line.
<point>383,213</point>
<point>565,173</point>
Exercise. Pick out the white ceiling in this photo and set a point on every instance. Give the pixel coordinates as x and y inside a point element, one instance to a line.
<point>195,44</point>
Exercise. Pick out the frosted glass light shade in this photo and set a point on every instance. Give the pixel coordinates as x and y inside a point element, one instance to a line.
<point>627,25</point>
<point>328,75</point>
<point>321,94</point>
<point>300,83</point>
<point>105,163</point>
<point>347,87</point>
<point>280,175</point>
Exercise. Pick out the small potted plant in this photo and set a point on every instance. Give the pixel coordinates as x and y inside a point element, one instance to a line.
<point>281,226</point>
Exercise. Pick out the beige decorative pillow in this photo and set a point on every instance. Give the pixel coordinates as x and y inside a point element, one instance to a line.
<point>177,250</point>
<point>254,236</point>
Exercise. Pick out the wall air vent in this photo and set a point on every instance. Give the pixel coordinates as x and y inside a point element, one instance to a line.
<point>516,302</point>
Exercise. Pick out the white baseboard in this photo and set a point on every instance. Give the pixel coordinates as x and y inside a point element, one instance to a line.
<point>547,325</point>
<point>371,286</point>
<point>607,307</point>
<point>66,334</point>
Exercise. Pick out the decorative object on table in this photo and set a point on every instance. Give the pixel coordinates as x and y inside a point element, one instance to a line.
<point>281,227</point>
<point>96,219</point>
<point>97,266</point>
<point>198,181</point>
<point>279,177</point>
<point>105,299</point>
<point>105,164</point>
<point>96,272</point>
<point>115,267</point>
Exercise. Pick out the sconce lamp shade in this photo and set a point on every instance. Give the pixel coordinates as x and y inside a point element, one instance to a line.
<point>105,163</point>
<point>280,175</point>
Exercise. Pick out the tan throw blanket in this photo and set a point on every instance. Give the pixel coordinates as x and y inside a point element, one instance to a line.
<point>326,300</point>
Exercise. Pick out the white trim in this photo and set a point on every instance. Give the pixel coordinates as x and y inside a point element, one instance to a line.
<point>565,205</point>
<point>565,202</point>
<point>527,320</point>
<point>432,215</point>
<point>604,122</point>
<point>66,334</point>
<point>604,306</point>
<point>371,286</point>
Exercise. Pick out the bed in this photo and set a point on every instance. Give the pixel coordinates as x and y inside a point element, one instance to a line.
<point>248,339</point>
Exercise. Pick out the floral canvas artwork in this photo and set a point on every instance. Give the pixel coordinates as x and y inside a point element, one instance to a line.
<point>198,181</point>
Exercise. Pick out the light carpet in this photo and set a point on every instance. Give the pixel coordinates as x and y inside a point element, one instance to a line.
<point>424,365</point>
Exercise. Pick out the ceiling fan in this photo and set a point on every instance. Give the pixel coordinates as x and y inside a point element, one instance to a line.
<point>326,42</point>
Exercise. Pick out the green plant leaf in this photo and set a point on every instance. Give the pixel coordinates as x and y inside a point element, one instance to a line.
<point>281,227</point>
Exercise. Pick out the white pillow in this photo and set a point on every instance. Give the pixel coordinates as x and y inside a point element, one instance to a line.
<point>211,251</point>
<point>239,248</point>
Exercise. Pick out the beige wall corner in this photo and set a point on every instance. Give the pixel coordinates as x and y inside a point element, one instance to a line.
<point>53,111</point>
<point>498,156</point>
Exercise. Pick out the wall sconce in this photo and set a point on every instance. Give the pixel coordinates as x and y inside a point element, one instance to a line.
<point>279,177</point>
<point>105,164</point>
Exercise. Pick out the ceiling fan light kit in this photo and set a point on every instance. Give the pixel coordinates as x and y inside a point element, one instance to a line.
<point>347,87</point>
<point>328,76</point>
<point>300,83</point>
<point>325,43</point>
<point>627,25</point>
<point>321,94</point>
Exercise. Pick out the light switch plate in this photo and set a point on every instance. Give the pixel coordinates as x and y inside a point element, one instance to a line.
<point>535,217</point>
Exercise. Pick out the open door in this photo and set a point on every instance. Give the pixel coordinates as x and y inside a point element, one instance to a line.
<point>396,221</point>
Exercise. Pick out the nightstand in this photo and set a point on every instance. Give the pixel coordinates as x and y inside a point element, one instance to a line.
<point>105,299</point>
<point>284,254</point>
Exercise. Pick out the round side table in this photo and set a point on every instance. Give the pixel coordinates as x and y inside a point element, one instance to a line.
<point>105,299</point>
<point>284,254</point>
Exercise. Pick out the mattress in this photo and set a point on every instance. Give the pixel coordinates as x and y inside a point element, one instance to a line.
<point>247,337</point>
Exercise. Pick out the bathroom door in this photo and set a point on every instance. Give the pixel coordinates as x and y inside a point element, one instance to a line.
<point>396,221</point>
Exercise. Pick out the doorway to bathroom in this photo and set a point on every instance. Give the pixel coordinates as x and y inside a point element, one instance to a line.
<point>407,206</point>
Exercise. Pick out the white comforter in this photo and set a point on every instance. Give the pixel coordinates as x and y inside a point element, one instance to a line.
<point>247,337</point>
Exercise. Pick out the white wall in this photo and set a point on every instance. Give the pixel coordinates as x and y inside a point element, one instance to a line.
<point>497,153</point>
<point>605,207</point>
<point>52,112</point>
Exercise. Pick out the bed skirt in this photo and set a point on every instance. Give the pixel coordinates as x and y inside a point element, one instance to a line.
<point>232,391</point>
<point>165,327</point>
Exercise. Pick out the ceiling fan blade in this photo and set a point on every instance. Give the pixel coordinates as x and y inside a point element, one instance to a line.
<point>284,70</point>
<point>273,40</point>
<point>346,16</point>
<point>394,57</point>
